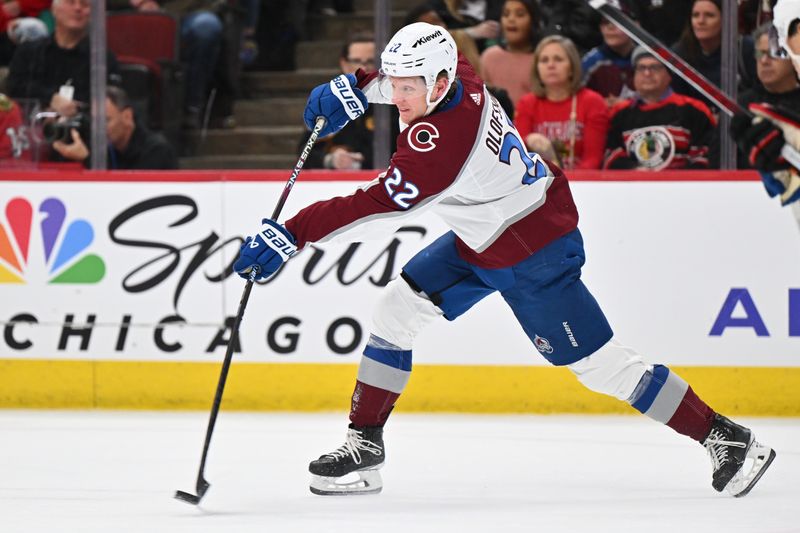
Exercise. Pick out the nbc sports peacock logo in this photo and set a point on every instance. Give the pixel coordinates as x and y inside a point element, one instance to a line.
<point>63,245</point>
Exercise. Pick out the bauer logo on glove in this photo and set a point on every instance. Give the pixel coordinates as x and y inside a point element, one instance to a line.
<point>338,101</point>
<point>352,105</point>
<point>266,251</point>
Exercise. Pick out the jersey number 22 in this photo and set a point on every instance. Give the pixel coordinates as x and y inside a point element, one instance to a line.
<point>399,191</point>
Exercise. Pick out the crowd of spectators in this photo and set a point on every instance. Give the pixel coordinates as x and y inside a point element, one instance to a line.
<point>579,90</point>
<point>581,99</point>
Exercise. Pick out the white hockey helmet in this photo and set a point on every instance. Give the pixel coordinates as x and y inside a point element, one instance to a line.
<point>421,49</point>
<point>783,14</point>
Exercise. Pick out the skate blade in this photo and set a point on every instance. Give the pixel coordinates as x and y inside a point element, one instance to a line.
<point>368,482</point>
<point>759,458</point>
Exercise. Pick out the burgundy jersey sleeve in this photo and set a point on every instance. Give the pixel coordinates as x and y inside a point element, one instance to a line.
<point>431,153</point>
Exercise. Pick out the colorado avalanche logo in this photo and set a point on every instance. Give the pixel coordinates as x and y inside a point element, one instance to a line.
<point>421,136</point>
<point>542,344</point>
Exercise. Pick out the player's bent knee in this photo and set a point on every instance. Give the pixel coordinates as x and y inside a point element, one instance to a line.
<point>402,313</point>
<point>613,369</point>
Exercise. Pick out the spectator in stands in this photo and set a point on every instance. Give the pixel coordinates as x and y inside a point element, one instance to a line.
<point>331,8</point>
<point>478,18</point>
<point>752,14</point>
<point>212,46</point>
<point>665,20</point>
<point>131,146</point>
<point>607,68</point>
<point>248,51</point>
<point>19,23</point>
<point>225,84</point>
<point>779,85</point>
<point>132,5</point>
<point>559,119</point>
<point>15,145</point>
<point>574,19</point>
<point>201,43</point>
<point>56,70</point>
<point>659,129</point>
<point>700,46</point>
<point>351,147</point>
<point>509,64</point>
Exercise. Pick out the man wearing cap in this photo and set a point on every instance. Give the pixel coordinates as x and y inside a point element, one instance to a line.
<point>607,68</point>
<point>658,128</point>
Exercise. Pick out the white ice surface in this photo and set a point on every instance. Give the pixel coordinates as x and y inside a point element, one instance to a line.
<point>114,472</point>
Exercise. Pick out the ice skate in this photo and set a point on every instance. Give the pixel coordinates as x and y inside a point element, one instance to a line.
<point>738,460</point>
<point>353,467</point>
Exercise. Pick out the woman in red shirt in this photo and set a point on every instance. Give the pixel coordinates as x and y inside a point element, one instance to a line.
<point>559,119</point>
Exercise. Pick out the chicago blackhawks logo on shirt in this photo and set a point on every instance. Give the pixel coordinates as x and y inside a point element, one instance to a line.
<point>653,147</point>
<point>421,136</point>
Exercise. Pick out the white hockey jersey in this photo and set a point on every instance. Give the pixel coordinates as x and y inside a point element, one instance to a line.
<point>465,162</point>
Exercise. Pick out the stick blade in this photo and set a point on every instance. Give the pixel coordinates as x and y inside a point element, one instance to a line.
<point>202,487</point>
<point>188,498</point>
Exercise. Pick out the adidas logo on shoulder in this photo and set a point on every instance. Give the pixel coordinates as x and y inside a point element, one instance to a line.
<point>476,97</point>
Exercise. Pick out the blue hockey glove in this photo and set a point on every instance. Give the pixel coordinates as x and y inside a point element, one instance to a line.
<point>266,251</point>
<point>339,101</point>
<point>785,183</point>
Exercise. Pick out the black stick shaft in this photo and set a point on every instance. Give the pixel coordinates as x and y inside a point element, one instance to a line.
<point>202,484</point>
<point>223,376</point>
<point>298,166</point>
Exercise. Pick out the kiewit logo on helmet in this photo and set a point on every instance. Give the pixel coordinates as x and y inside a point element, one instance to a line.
<point>427,38</point>
<point>66,262</point>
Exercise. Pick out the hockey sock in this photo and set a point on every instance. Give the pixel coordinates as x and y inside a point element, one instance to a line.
<point>382,376</point>
<point>665,397</point>
<point>370,406</point>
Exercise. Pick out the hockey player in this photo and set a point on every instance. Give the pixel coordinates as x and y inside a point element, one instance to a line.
<point>513,230</point>
<point>762,138</point>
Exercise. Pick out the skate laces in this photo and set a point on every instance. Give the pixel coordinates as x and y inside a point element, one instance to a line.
<point>717,447</point>
<point>352,446</point>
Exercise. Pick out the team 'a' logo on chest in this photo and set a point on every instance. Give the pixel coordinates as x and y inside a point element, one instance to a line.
<point>422,136</point>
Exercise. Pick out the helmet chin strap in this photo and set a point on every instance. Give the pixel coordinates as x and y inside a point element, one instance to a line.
<point>432,106</point>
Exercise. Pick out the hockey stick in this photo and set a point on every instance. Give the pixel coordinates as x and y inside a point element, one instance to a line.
<point>681,67</point>
<point>202,484</point>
